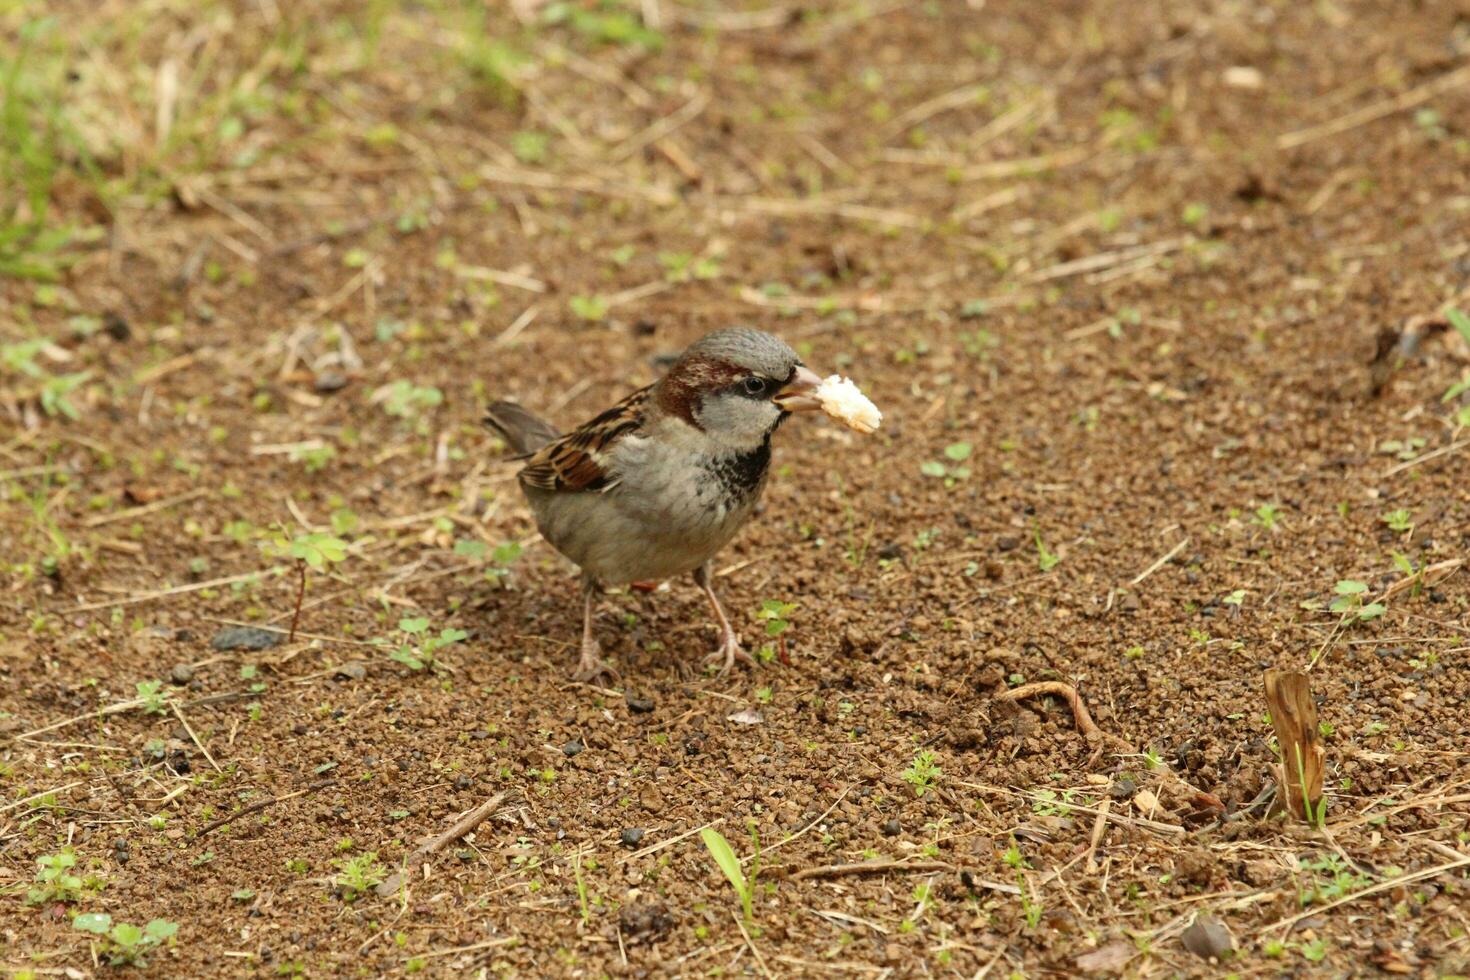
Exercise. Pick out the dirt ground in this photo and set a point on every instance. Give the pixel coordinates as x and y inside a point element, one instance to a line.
<point>1160,310</point>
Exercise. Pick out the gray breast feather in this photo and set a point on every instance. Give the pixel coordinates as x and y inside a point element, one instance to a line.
<point>665,514</point>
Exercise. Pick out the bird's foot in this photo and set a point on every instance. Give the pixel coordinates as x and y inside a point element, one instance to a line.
<point>591,666</point>
<point>728,652</point>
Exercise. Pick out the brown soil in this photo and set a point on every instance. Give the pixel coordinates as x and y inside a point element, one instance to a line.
<point>1156,337</point>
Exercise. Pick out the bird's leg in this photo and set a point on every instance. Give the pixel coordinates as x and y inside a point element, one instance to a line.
<point>729,649</point>
<point>591,665</point>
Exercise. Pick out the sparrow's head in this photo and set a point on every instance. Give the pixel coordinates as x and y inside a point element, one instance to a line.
<point>736,386</point>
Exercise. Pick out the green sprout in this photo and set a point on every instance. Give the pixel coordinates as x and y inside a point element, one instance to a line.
<point>418,649</point>
<point>725,858</point>
<point>923,772</point>
<point>359,875</point>
<point>1350,602</point>
<point>954,471</point>
<point>55,882</point>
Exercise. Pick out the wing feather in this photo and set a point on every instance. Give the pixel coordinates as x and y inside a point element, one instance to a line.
<point>578,460</point>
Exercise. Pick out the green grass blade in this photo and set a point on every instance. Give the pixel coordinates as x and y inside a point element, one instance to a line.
<point>725,857</point>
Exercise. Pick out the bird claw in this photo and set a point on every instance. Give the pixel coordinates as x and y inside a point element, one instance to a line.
<point>728,653</point>
<point>591,666</point>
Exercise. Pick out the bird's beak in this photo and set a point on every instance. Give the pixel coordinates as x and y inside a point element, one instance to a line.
<point>799,395</point>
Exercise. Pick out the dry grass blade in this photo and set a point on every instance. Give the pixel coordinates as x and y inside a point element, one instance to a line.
<point>1163,560</point>
<point>1294,716</point>
<point>1408,100</point>
<point>1382,886</point>
<point>870,868</point>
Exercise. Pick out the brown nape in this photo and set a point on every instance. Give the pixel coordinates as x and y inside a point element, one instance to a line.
<point>678,393</point>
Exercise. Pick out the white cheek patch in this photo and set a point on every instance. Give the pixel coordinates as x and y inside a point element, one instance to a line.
<point>845,402</point>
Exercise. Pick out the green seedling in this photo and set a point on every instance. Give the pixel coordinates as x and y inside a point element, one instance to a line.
<point>1046,560</point>
<point>1403,564</point>
<point>530,146</point>
<point>923,772</point>
<point>1267,516</point>
<point>1399,520</point>
<point>418,649</point>
<point>774,613</point>
<point>124,944</point>
<point>502,556</point>
<point>953,471</point>
<point>357,876</point>
<point>317,551</point>
<point>1349,602</point>
<point>56,882</point>
<point>590,308</point>
<point>725,858</point>
<point>605,24</point>
<point>682,267</point>
<point>155,702</point>
<point>406,400</point>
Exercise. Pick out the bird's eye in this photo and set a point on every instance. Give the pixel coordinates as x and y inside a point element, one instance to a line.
<point>755,386</point>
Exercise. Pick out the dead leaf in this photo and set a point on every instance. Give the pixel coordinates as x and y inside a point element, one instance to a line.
<point>1107,959</point>
<point>1294,716</point>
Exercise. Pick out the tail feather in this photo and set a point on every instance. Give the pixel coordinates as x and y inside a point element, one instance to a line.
<point>522,431</point>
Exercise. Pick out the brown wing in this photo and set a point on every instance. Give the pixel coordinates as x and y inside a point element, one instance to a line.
<point>576,461</point>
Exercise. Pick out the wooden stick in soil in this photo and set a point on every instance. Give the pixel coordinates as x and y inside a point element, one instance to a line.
<point>463,826</point>
<point>300,595</point>
<point>1294,716</point>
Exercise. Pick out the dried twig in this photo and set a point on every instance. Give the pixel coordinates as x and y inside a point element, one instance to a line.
<point>190,729</point>
<point>261,805</point>
<point>464,825</point>
<point>135,512</point>
<point>644,852</point>
<point>177,590</point>
<point>870,868</point>
<point>661,127</point>
<point>1371,113</point>
<point>759,960</point>
<point>1453,447</point>
<point>1099,824</point>
<point>1160,563</point>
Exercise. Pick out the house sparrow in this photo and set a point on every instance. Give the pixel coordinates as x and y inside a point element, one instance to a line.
<point>656,485</point>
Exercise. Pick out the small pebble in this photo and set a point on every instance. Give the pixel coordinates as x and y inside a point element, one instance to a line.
<point>329,381</point>
<point>631,836</point>
<point>117,328</point>
<point>1208,938</point>
<point>351,671</point>
<point>181,673</point>
<point>572,748</point>
<point>463,782</point>
<point>245,638</point>
<point>638,705</point>
<point>892,828</point>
